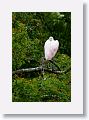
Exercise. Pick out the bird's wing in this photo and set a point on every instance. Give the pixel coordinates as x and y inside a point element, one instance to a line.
<point>54,47</point>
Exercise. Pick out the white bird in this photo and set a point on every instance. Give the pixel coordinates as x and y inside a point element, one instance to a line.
<point>50,48</point>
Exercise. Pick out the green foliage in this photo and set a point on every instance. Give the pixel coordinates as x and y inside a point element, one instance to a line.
<point>55,88</point>
<point>38,90</point>
<point>31,30</point>
<point>29,33</point>
<point>19,45</point>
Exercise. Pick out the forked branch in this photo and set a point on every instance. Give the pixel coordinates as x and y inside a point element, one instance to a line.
<point>39,69</point>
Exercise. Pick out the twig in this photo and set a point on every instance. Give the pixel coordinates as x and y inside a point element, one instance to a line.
<point>54,64</point>
<point>58,72</point>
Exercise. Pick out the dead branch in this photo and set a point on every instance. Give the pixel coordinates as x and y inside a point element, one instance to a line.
<point>39,69</point>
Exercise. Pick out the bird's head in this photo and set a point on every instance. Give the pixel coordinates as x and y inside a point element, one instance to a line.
<point>51,38</point>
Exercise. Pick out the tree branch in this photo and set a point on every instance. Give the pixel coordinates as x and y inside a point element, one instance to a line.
<point>39,69</point>
<point>27,70</point>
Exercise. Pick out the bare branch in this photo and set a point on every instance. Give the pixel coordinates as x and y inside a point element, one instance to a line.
<point>58,72</point>
<point>39,69</point>
<point>27,70</point>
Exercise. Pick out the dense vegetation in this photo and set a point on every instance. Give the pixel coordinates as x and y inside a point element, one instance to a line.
<point>29,33</point>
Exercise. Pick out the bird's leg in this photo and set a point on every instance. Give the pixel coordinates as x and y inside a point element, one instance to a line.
<point>48,64</point>
<point>52,65</point>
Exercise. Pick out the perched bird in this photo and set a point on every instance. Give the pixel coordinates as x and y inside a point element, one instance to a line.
<point>50,48</point>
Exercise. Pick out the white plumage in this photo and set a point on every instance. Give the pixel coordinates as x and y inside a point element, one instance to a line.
<point>50,48</point>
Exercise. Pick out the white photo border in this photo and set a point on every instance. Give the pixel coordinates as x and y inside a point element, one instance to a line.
<point>76,104</point>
